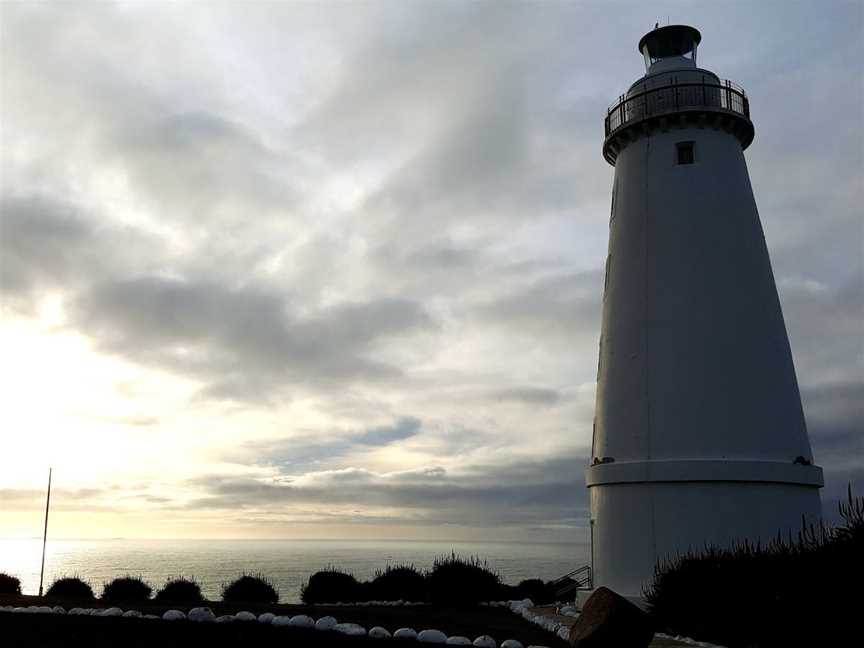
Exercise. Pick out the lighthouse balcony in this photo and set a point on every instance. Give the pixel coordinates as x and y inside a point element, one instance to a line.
<point>722,104</point>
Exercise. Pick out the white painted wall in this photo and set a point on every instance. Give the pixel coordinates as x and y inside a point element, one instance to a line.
<point>697,399</point>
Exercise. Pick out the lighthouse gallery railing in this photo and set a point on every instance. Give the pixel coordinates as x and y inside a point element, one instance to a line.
<point>675,97</point>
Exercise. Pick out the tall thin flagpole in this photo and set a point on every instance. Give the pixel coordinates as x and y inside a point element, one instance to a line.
<point>45,535</point>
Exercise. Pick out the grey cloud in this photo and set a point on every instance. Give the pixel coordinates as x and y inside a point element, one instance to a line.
<point>566,304</point>
<point>403,429</point>
<point>322,449</point>
<point>530,395</point>
<point>825,326</point>
<point>48,247</point>
<point>200,161</point>
<point>835,421</point>
<point>544,491</point>
<point>224,335</point>
<point>64,499</point>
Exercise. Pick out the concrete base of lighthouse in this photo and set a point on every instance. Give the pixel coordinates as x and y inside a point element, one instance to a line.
<point>638,523</point>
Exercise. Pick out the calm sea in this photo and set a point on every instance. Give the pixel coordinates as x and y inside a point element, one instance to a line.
<point>287,562</point>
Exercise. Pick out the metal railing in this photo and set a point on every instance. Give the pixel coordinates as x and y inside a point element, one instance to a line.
<point>574,580</point>
<point>674,97</point>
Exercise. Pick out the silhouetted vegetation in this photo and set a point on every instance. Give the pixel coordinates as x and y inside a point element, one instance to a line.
<point>9,584</point>
<point>536,590</point>
<point>788,592</point>
<point>250,588</point>
<point>182,589</point>
<point>398,582</point>
<point>454,580</point>
<point>70,587</point>
<point>331,585</point>
<point>126,588</point>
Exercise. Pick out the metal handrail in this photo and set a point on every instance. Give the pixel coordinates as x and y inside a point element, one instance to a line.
<point>580,570</point>
<point>574,576</point>
<point>673,97</point>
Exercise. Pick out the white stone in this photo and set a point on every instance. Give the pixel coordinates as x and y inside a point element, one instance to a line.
<point>173,615</point>
<point>225,618</point>
<point>405,633</point>
<point>511,643</point>
<point>58,609</point>
<point>245,616</point>
<point>485,641</point>
<point>132,614</point>
<point>432,636</point>
<point>326,623</point>
<point>151,616</point>
<point>112,612</point>
<point>379,633</point>
<point>281,620</point>
<point>564,632</point>
<point>302,621</point>
<point>458,641</point>
<point>201,614</point>
<point>267,617</point>
<point>569,610</point>
<point>351,629</point>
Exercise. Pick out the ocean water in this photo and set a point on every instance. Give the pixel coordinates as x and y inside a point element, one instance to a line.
<point>288,563</point>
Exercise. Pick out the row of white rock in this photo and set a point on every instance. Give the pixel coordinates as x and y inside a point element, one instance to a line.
<point>327,623</point>
<point>523,609</point>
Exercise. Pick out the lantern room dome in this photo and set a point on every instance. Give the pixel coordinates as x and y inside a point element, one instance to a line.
<point>676,42</point>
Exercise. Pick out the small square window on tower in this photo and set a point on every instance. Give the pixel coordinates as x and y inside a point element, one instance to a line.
<point>685,152</point>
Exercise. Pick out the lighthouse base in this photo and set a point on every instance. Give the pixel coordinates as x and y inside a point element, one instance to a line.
<point>636,524</point>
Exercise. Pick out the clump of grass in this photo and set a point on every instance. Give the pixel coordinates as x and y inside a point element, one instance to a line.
<point>186,590</point>
<point>455,580</point>
<point>250,588</point>
<point>9,584</point>
<point>70,587</point>
<point>126,588</point>
<point>397,582</point>
<point>330,585</point>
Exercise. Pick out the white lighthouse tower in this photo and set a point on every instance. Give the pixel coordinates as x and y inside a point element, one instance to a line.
<point>699,433</point>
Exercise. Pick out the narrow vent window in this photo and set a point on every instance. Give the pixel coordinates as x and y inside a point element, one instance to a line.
<point>685,152</point>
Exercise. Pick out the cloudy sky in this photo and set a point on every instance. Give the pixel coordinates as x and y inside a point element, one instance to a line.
<point>334,269</point>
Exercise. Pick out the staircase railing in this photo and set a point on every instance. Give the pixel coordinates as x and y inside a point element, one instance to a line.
<point>576,579</point>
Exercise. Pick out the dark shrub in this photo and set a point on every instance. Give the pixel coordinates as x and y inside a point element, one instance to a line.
<point>9,584</point>
<point>250,588</point>
<point>330,585</point>
<point>536,590</point>
<point>398,582</point>
<point>126,588</point>
<point>182,589</point>
<point>752,595</point>
<point>460,581</point>
<point>507,593</point>
<point>70,587</point>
